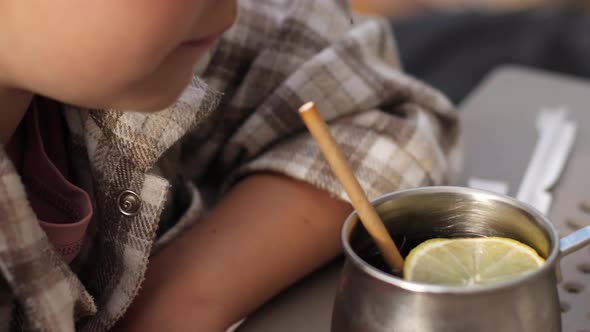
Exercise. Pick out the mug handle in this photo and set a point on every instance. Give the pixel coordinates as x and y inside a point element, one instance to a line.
<point>572,243</point>
<point>575,241</point>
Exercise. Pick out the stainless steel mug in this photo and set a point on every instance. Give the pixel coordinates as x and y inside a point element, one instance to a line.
<point>370,300</point>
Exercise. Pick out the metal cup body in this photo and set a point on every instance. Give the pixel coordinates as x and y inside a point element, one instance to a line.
<point>370,300</point>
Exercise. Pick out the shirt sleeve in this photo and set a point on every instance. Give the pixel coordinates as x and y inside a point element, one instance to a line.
<point>395,131</point>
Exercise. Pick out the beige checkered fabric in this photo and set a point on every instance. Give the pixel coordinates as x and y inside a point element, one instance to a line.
<point>239,116</point>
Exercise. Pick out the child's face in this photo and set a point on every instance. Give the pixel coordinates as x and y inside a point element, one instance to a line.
<point>125,54</point>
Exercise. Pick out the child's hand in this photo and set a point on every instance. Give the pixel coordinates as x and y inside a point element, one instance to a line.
<point>268,232</point>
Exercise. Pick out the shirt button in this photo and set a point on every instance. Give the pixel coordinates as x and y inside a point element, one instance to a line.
<point>129,203</point>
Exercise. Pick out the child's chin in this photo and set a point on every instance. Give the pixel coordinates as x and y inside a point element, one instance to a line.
<point>150,96</point>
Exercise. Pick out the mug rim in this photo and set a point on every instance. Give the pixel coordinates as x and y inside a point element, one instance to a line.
<point>550,262</point>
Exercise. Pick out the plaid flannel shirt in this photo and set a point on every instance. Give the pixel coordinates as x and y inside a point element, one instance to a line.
<point>396,132</point>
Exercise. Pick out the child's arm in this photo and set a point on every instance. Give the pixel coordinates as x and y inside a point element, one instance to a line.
<point>265,234</point>
<point>396,132</point>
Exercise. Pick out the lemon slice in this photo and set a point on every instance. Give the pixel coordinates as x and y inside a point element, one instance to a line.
<point>469,261</point>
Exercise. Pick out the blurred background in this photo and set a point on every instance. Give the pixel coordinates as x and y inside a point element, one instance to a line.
<point>393,8</point>
<point>454,44</point>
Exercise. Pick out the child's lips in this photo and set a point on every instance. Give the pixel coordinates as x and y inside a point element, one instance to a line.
<point>202,43</point>
<point>207,41</point>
